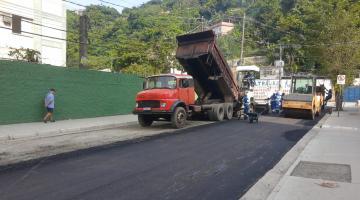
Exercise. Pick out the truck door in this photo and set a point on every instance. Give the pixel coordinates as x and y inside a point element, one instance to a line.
<point>186,91</point>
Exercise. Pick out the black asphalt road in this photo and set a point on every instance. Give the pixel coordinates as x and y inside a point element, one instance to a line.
<point>219,161</point>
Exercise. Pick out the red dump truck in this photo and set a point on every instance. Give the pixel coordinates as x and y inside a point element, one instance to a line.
<point>209,88</point>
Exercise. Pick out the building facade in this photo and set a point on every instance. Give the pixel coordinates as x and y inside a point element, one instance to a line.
<point>35,24</point>
<point>222,28</point>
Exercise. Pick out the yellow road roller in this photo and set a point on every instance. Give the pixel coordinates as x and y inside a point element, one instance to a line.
<point>305,99</point>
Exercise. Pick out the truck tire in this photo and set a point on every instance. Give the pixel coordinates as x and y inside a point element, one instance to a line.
<point>145,120</point>
<point>218,112</point>
<point>229,111</point>
<point>178,118</point>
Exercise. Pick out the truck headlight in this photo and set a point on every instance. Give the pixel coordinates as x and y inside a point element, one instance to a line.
<point>163,105</point>
<point>136,105</point>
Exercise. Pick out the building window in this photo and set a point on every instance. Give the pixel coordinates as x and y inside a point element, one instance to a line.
<point>5,19</point>
<point>16,24</point>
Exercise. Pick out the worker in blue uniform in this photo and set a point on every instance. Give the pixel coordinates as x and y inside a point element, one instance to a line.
<point>278,99</point>
<point>275,101</point>
<point>246,103</point>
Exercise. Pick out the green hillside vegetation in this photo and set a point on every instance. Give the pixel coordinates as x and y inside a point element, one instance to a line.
<point>318,36</point>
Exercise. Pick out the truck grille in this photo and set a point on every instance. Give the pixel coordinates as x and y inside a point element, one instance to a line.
<point>149,104</point>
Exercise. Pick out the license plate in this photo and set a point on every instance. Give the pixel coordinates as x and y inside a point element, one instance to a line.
<point>146,108</point>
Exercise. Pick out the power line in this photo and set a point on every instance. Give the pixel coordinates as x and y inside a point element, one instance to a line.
<point>299,45</point>
<point>43,14</point>
<point>66,31</point>
<point>50,19</point>
<point>113,4</point>
<point>258,22</point>
<point>37,34</point>
<point>323,44</point>
<point>56,38</point>
<point>29,11</point>
<point>37,24</point>
<point>196,28</point>
<point>74,3</point>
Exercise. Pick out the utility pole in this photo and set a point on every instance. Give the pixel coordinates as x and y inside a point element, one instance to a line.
<point>280,67</point>
<point>242,41</point>
<point>202,23</point>
<point>83,29</point>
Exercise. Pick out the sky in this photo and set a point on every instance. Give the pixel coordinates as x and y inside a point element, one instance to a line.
<point>126,3</point>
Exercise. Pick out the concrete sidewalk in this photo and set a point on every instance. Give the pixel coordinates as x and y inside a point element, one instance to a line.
<point>51,129</point>
<point>328,167</point>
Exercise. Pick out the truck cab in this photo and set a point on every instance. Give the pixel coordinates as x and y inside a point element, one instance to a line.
<point>245,77</point>
<point>165,97</point>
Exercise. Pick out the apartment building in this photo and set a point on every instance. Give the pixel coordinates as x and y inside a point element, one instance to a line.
<point>34,24</point>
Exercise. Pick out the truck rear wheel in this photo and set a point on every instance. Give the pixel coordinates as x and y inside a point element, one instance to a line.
<point>145,120</point>
<point>178,118</point>
<point>217,113</point>
<point>229,111</point>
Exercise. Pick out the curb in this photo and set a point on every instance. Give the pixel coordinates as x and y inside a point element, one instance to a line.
<point>62,132</point>
<point>262,189</point>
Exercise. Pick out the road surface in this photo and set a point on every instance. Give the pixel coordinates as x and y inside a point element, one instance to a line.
<point>215,161</point>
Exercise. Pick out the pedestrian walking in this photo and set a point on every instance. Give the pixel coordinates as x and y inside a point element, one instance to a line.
<point>49,105</point>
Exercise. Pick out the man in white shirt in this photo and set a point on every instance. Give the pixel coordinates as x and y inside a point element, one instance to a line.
<point>49,105</point>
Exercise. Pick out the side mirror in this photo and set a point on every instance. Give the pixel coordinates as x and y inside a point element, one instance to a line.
<point>185,83</point>
<point>144,85</point>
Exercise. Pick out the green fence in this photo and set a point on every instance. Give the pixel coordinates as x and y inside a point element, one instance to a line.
<point>80,93</point>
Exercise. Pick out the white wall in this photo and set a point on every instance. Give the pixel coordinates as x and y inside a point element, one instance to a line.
<point>271,72</point>
<point>51,13</point>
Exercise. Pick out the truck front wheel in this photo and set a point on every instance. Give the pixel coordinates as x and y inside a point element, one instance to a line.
<point>178,118</point>
<point>145,120</point>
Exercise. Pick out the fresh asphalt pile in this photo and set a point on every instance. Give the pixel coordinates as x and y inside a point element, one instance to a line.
<point>215,161</point>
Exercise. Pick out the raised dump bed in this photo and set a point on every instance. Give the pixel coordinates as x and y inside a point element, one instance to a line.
<point>202,59</point>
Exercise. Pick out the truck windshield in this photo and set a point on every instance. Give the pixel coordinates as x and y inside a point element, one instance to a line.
<point>246,79</point>
<point>303,86</point>
<point>157,82</point>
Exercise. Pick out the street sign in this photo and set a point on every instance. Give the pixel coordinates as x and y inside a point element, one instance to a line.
<point>340,80</point>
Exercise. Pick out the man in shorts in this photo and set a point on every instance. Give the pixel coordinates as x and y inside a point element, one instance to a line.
<point>49,105</point>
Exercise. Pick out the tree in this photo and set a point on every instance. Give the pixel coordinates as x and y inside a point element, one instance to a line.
<point>340,39</point>
<point>318,36</point>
